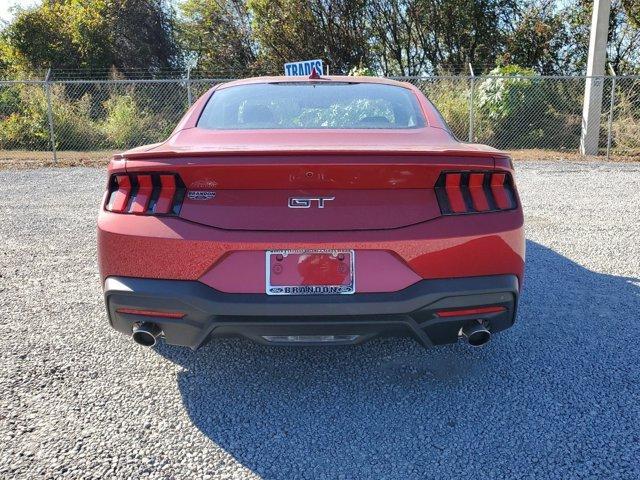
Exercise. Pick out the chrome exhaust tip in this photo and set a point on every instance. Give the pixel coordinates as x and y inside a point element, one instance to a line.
<point>475,334</point>
<point>146,334</point>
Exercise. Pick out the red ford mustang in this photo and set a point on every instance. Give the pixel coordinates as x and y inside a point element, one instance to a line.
<point>311,210</point>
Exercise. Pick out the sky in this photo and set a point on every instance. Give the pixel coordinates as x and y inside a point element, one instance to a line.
<point>6,5</point>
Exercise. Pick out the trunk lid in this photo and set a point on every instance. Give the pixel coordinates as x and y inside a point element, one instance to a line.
<point>320,192</point>
<point>310,179</point>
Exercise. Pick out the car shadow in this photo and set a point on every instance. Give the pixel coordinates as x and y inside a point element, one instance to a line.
<point>551,396</point>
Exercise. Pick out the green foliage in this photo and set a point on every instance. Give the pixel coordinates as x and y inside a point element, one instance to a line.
<point>500,97</point>
<point>343,114</point>
<point>96,35</point>
<point>247,37</point>
<point>289,30</point>
<point>413,37</point>
<point>361,71</point>
<point>632,8</point>
<point>25,124</point>
<point>519,110</point>
<point>219,35</point>
<point>121,123</point>
<point>451,97</point>
<point>74,126</point>
<point>539,39</point>
<point>23,118</point>
<point>363,37</point>
<point>623,52</point>
<point>10,100</point>
<point>127,125</point>
<point>61,34</point>
<point>626,126</point>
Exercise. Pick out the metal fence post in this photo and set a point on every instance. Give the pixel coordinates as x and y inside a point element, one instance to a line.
<point>47,86</point>
<point>471,95</point>
<point>189,98</point>
<point>611,104</point>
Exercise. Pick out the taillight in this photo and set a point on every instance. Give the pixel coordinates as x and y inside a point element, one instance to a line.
<point>475,192</point>
<point>145,193</point>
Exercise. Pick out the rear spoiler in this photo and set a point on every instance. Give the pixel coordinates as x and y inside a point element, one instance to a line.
<point>244,151</point>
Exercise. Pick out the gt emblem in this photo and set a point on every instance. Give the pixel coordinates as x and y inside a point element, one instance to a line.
<point>306,202</point>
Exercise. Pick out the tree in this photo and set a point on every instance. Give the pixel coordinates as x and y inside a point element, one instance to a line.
<point>623,51</point>
<point>632,9</point>
<point>248,37</point>
<point>399,37</point>
<point>96,35</point>
<point>55,35</point>
<point>142,34</point>
<point>218,33</point>
<point>539,39</point>
<point>289,30</point>
<point>415,37</point>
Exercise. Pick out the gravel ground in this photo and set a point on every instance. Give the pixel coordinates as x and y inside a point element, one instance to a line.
<point>557,396</point>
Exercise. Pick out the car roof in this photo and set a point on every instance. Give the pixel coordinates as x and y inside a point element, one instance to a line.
<point>326,78</point>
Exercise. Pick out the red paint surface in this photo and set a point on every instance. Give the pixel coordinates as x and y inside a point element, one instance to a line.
<point>375,271</point>
<point>341,171</point>
<point>446,247</point>
<point>383,182</point>
<point>349,209</point>
<point>205,144</point>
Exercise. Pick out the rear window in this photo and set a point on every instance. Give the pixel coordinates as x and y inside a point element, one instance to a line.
<point>311,105</point>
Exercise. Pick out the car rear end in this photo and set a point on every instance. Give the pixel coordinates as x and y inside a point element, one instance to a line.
<point>291,238</point>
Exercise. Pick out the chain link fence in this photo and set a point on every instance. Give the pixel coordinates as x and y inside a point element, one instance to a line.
<point>78,118</point>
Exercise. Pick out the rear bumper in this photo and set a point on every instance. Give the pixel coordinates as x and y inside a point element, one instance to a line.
<point>409,312</point>
<point>145,246</point>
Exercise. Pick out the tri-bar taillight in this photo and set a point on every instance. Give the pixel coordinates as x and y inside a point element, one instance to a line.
<point>465,192</point>
<point>145,193</point>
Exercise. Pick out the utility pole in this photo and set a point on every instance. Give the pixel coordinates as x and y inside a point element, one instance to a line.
<point>592,106</point>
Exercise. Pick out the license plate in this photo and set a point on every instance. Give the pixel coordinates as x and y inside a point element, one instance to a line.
<point>310,272</point>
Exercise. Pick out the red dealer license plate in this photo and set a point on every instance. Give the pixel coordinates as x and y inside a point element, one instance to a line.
<point>310,272</point>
